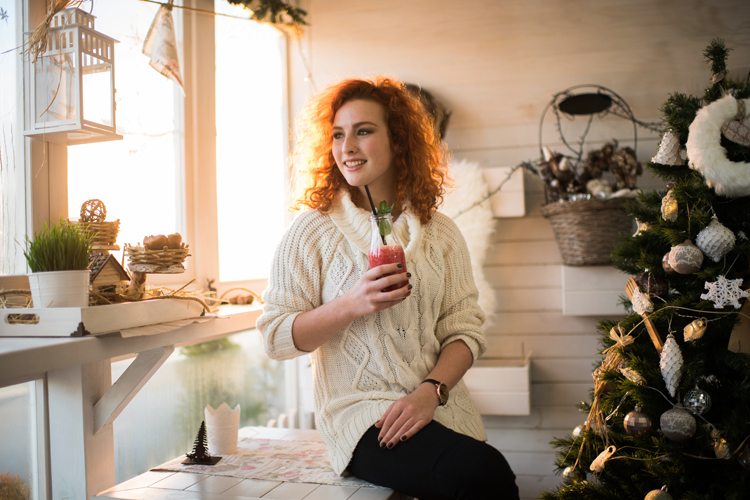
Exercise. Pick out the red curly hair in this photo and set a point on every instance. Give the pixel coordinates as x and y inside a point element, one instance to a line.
<point>418,156</point>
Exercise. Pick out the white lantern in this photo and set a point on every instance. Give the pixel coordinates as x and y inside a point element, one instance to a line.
<point>70,87</point>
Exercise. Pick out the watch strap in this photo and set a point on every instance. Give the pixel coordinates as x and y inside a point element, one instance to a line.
<point>439,388</point>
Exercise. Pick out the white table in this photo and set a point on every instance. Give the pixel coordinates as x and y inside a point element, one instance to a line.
<point>154,485</point>
<point>80,398</point>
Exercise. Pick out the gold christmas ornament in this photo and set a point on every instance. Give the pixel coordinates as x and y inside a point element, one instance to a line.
<point>669,207</point>
<point>665,264</point>
<point>695,329</point>
<point>641,227</point>
<point>685,258</point>
<point>670,364</point>
<point>721,447</point>
<point>669,150</point>
<point>715,240</point>
<point>658,494</point>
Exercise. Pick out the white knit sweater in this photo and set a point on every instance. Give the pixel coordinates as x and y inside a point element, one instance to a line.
<point>378,358</point>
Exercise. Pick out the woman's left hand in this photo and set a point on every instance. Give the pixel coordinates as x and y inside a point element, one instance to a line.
<point>407,416</point>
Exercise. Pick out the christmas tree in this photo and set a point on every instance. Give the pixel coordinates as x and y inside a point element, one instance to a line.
<point>669,415</point>
<point>200,454</point>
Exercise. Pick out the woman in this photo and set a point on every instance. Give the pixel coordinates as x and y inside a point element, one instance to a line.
<point>387,365</point>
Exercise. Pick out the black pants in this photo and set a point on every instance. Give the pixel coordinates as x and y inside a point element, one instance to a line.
<point>436,463</point>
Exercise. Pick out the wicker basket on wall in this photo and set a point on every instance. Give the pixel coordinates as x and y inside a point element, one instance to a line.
<point>588,230</point>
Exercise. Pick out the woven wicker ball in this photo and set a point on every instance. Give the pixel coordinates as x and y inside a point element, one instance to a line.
<point>93,211</point>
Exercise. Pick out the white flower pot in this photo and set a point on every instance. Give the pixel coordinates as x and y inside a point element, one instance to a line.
<point>60,288</point>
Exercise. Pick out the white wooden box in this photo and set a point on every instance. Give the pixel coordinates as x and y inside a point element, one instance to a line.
<point>500,386</point>
<point>510,200</point>
<point>592,290</point>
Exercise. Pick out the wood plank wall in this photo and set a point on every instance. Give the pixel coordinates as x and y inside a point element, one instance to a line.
<point>496,64</point>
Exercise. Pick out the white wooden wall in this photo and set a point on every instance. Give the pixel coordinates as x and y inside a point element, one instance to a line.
<point>496,64</point>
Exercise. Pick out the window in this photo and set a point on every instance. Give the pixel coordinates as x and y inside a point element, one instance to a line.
<point>139,178</point>
<point>12,184</point>
<point>148,180</point>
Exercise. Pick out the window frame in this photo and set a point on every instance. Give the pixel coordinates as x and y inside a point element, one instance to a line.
<point>46,195</point>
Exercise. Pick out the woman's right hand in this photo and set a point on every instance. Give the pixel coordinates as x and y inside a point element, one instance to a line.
<point>369,296</point>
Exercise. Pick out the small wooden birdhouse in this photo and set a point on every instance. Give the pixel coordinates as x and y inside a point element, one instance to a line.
<point>106,272</point>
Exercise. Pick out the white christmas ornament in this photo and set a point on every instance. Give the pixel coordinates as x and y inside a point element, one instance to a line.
<point>641,302</point>
<point>707,156</point>
<point>669,150</point>
<point>670,364</point>
<point>723,292</point>
<point>715,240</point>
<point>685,258</point>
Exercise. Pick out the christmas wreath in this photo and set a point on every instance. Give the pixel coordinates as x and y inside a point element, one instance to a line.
<point>728,178</point>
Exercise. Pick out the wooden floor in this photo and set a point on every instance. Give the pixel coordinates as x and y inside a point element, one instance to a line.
<point>153,485</point>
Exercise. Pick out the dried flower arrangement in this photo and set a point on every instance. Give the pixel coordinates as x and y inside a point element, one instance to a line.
<point>610,171</point>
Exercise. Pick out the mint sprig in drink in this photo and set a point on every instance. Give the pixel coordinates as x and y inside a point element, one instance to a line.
<point>384,245</point>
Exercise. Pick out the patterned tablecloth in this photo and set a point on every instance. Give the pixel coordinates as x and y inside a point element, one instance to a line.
<point>272,460</point>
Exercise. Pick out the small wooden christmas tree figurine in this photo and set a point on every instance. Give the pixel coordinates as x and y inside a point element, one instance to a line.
<point>200,453</point>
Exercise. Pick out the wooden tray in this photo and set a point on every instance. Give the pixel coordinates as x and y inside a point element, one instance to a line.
<point>95,320</point>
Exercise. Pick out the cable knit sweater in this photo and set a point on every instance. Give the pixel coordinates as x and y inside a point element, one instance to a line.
<point>381,357</point>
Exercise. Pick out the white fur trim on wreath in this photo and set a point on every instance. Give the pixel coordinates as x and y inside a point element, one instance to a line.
<point>727,178</point>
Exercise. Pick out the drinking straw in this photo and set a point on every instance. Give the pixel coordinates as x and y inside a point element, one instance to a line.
<point>374,211</point>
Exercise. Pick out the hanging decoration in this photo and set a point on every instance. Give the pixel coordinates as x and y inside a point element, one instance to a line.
<point>724,292</point>
<point>632,375</point>
<point>737,130</point>
<point>670,364</point>
<point>669,150</point>
<point>715,240</point>
<point>669,207</point>
<point>632,290</point>
<point>720,444</point>
<point>658,494</point>
<point>685,258</point>
<point>641,303</point>
<point>665,264</point>
<point>160,45</point>
<point>640,227</point>
<point>677,424</point>
<point>694,330</point>
<point>697,401</point>
<point>651,284</point>
<point>636,423</point>
<point>707,156</point>
<point>598,464</point>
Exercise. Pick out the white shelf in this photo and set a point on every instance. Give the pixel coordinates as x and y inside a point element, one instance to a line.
<point>592,291</point>
<point>500,386</point>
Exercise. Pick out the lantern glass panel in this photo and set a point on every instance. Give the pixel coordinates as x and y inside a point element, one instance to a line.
<point>55,89</point>
<point>97,91</point>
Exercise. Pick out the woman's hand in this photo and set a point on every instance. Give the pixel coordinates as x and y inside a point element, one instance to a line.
<point>369,296</point>
<point>407,416</point>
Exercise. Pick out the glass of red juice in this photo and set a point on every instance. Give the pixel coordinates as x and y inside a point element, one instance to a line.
<point>385,248</point>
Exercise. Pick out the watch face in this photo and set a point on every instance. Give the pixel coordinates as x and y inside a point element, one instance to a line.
<point>442,391</point>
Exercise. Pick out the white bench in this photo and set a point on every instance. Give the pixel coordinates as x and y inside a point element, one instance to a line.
<point>190,486</point>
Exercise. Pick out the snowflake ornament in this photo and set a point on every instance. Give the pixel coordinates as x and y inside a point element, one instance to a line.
<point>723,292</point>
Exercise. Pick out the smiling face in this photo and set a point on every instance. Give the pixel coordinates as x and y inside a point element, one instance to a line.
<point>361,146</point>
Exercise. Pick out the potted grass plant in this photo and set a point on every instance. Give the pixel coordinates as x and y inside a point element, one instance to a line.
<point>58,256</point>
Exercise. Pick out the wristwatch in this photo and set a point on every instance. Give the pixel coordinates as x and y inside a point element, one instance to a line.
<point>441,389</point>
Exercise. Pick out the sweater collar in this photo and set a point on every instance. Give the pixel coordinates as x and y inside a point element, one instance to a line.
<point>354,223</point>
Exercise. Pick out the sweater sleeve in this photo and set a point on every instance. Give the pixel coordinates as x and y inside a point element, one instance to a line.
<point>460,317</point>
<point>294,286</point>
